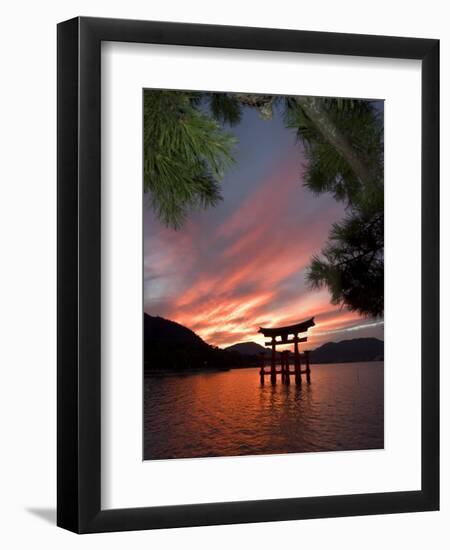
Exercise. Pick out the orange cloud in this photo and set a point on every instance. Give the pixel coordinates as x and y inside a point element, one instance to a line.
<point>227,279</point>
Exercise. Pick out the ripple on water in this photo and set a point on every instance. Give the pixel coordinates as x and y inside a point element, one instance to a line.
<point>230,413</point>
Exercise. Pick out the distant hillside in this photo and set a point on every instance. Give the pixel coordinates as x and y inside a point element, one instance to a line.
<point>169,346</point>
<point>247,348</point>
<point>250,349</point>
<point>348,351</point>
<point>163,331</point>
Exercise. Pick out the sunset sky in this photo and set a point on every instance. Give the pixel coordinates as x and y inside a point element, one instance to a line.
<point>241,265</point>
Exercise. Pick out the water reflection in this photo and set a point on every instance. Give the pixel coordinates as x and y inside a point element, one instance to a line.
<point>230,413</point>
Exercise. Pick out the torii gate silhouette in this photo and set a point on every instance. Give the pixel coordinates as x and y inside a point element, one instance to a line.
<point>281,336</point>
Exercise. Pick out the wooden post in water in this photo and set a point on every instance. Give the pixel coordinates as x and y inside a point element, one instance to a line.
<point>273,372</point>
<point>308,370</point>
<point>298,372</point>
<point>287,378</point>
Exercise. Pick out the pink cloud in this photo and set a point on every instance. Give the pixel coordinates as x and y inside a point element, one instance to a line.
<point>249,270</point>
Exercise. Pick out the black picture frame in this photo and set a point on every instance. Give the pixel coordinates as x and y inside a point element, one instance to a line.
<point>79,281</point>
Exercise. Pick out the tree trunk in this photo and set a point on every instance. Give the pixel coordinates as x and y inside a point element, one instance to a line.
<point>313,109</point>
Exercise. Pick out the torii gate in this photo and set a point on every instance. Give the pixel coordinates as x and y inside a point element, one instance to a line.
<point>280,336</point>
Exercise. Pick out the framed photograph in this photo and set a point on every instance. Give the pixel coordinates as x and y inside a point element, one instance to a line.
<point>248,293</point>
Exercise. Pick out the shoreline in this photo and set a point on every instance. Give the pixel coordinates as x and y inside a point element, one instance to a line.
<point>160,373</point>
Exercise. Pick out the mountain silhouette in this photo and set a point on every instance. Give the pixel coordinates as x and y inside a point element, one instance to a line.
<point>247,348</point>
<point>171,346</point>
<point>250,349</point>
<point>349,351</point>
<point>346,351</point>
<point>163,331</point>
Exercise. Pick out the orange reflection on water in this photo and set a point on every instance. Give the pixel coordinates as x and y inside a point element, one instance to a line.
<point>230,413</point>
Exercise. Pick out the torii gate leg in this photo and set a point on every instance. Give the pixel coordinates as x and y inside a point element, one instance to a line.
<point>298,372</point>
<point>308,370</point>
<point>273,372</point>
<point>287,378</point>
